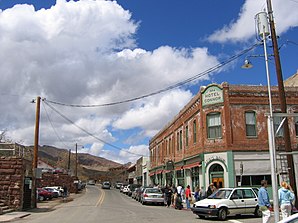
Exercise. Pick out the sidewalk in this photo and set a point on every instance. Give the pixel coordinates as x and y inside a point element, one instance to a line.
<point>44,206</point>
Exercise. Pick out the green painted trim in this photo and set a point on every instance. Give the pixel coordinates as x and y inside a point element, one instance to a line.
<point>204,172</point>
<point>230,168</point>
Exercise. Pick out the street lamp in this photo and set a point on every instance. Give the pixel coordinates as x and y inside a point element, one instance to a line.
<point>263,31</point>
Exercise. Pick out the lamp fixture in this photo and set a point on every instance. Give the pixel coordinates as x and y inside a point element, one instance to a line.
<point>247,64</point>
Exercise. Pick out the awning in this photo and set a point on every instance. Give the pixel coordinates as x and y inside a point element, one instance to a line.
<point>158,171</point>
<point>178,167</point>
<point>151,174</point>
<point>191,165</point>
<point>167,171</point>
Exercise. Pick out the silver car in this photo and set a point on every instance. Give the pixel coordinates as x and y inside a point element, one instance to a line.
<point>152,195</point>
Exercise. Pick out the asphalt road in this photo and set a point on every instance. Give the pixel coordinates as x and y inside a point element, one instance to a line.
<point>110,206</point>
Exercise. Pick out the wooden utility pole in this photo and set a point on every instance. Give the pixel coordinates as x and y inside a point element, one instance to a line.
<point>35,152</point>
<point>282,98</point>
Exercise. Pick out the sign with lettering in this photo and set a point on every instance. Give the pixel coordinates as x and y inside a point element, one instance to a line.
<point>212,95</point>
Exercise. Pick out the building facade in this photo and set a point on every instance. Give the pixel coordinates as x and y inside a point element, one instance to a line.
<point>221,137</point>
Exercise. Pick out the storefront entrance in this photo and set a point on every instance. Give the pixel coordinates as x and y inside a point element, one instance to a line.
<point>217,175</point>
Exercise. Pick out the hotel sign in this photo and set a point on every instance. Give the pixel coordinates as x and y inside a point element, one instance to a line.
<point>212,95</point>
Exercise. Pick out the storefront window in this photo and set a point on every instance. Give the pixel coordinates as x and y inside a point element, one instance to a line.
<point>253,180</point>
<point>250,121</point>
<point>214,125</point>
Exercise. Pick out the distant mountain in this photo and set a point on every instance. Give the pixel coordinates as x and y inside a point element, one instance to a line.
<point>89,166</point>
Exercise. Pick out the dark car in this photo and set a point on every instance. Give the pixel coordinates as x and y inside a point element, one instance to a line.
<point>44,194</point>
<point>132,187</point>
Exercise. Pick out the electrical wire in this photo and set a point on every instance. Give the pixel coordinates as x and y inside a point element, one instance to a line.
<point>87,132</point>
<point>208,71</point>
<point>57,135</point>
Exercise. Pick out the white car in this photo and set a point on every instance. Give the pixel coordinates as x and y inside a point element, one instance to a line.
<point>125,189</point>
<point>291,219</point>
<point>229,201</point>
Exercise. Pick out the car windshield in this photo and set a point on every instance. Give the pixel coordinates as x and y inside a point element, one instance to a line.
<point>221,194</point>
<point>153,190</point>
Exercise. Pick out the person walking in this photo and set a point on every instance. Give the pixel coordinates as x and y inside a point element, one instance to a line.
<point>197,195</point>
<point>188,196</point>
<point>168,196</point>
<point>285,197</point>
<point>264,202</point>
<point>210,189</point>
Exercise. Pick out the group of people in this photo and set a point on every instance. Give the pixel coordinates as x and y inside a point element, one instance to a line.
<point>286,199</point>
<point>175,195</point>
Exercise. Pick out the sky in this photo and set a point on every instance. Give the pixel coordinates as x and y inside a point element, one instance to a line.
<point>112,74</point>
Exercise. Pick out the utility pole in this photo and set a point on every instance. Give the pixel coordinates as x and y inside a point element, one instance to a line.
<point>76,171</point>
<point>35,152</point>
<point>68,165</point>
<point>282,98</point>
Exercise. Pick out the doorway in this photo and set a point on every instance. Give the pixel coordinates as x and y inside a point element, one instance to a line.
<point>217,175</point>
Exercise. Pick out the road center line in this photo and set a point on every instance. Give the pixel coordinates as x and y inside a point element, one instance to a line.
<point>101,198</point>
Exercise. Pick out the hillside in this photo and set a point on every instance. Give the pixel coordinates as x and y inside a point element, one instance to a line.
<point>89,166</point>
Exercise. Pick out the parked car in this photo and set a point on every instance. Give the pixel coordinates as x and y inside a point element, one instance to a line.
<point>55,193</point>
<point>140,192</point>
<point>125,189</point>
<point>106,185</point>
<point>228,201</point>
<point>135,192</point>
<point>118,185</point>
<point>152,195</point>
<point>43,194</point>
<point>132,187</point>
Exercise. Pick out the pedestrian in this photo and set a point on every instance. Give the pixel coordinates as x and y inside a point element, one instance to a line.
<point>197,194</point>
<point>285,197</point>
<point>182,193</point>
<point>210,189</point>
<point>202,193</point>
<point>188,197</point>
<point>264,202</point>
<point>179,188</point>
<point>168,196</point>
<point>64,192</point>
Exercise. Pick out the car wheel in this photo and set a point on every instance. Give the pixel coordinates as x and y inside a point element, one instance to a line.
<point>143,202</point>
<point>258,212</point>
<point>202,216</point>
<point>41,198</point>
<point>222,214</point>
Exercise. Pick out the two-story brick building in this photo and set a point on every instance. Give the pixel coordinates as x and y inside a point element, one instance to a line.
<point>221,136</point>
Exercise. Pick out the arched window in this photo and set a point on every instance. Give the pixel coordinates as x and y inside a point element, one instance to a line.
<point>216,168</point>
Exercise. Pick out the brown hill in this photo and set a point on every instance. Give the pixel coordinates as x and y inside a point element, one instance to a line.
<point>89,166</point>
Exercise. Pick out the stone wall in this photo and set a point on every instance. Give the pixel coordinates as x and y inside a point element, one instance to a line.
<point>11,181</point>
<point>59,179</point>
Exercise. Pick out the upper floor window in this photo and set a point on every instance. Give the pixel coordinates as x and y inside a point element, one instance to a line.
<point>186,135</point>
<point>250,122</point>
<point>296,125</point>
<point>194,129</point>
<point>180,140</point>
<point>214,125</point>
<point>276,122</point>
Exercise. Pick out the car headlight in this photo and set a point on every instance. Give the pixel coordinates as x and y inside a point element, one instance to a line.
<point>212,206</point>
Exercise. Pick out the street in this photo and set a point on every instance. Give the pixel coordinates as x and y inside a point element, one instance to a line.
<point>98,205</point>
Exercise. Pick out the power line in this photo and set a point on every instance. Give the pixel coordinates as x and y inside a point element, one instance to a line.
<point>57,135</point>
<point>208,71</point>
<point>87,132</point>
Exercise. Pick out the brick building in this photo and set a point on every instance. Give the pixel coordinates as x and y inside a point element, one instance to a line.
<point>221,136</point>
